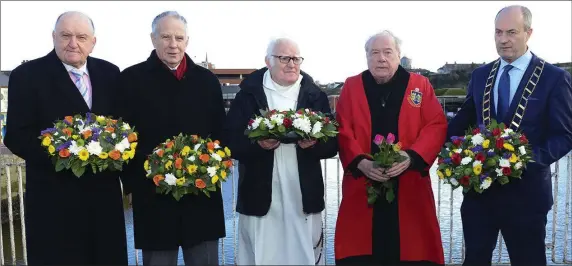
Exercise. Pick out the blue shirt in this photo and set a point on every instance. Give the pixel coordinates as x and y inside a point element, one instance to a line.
<point>515,74</point>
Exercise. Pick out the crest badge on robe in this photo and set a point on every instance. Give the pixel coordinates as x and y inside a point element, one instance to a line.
<point>415,97</point>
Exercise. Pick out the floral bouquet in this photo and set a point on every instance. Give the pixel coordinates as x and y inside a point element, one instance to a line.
<point>388,155</point>
<point>484,155</point>
<point>99,142</point>
<point>188,164</point>
<point>290,126</point>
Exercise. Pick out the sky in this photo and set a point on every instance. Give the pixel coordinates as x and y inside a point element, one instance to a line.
<point>331,35</point>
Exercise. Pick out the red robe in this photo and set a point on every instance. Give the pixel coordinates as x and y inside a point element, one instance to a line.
<point>422,127</point>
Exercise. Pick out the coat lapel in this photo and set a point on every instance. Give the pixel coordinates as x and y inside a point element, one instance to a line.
<point>95,76</point>
<point>518,94</point>
<point>65,85</point>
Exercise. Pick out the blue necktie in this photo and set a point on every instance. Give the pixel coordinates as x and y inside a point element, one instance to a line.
<point>504,94</point>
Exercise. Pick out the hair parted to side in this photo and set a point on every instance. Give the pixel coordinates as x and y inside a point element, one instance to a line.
<point>173,14</point>
<point>526,15</point>
<point>385,33</point>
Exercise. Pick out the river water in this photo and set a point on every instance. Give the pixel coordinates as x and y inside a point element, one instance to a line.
<point>448,205</point>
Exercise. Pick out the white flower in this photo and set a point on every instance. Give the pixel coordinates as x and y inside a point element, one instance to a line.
<point>522,150</point>
<point>268,124</point>
<point>211,171</point>
<point>458,150</point>
<point>84,129</point>
<point>277,118</point>
<point>256,122</point>
<point>55,134</point>
<point>216,146</point>
<point>307,110</point>
<point>508,130</point>
<point>466,160</point>
<point>518,165</point>
<point>123,145</point>
<point>486,183</point>
<point>477,139</point>
<point>453,181</point>
<point>504,163</point>
<point>170,179</point>
<point>113,136</point>
<point>499,171</point>
<point>149,172</point>
<point>170,157</point>
<point>216,157</point>
<point>317,128</point>
<point>303,124</point>
<point>125,126</point>
<point>63,137</point>
<point>94,148</point>
<point>74,149</point>
<point>197,147</point>
<point>192,158</point>
<point>491,150</point>
<point>477,163</point>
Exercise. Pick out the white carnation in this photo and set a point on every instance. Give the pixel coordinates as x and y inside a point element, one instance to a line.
<point>518,165</point>
<point>125,126</point>
<point>277,118</point>
<point>486,183</point>
<point>268,124</point>
<point>211,171</point>
<point>74,149</point>
<point>522,150</point>
<point>94,148</point>
<point>477,139</point>
<point>499,172</point>
<point>303,124</point>
<point>191,158</point>
<point>466,160</point>
<point>113,135</point>
<point>216,157</point>
<point>504,163</point>
<point>317,127</point>
<point>123,145</point>
<point>256,122</point>
<point>170,179</point>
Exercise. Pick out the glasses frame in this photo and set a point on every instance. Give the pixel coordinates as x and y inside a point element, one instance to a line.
<point>282,59</point>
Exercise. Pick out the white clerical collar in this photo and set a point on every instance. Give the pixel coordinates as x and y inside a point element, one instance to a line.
<point>82,68</point>
<point>269,83</point>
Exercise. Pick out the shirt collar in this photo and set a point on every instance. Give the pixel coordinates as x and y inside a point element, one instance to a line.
<point>82,68</point>
<point>521,63</point>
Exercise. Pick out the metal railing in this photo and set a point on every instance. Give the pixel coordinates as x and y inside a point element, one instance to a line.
<point>447,203</point>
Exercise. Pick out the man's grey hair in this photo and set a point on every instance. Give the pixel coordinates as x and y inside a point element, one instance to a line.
<point>82,15</point>
<point>526,15</point>
<point>173,14</point>
<point>271,49</point>
<point>385,33</point>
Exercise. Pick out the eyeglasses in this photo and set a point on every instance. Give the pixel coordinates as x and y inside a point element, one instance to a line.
<point>286,59</point>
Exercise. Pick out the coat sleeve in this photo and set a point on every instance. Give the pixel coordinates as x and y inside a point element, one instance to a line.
<point>465,117</point>
<point>348,144</point>
<point>21,128</point>
<point>559,131</point>
<point>434,127</point>
<point>328,149</point>
<point>237,118</point>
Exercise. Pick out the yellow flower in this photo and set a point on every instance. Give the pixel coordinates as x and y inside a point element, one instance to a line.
<point>192,168</point>
<point>508,147</point>
<point>223,174</point>
<point>75,137</point>
<point>215,179</point>
<point>486,143</point>
<point>513,158</point>
<point>185,151</point>
<point>469,153</point>
<point>133,145</point>
<point>51,149</point>
<point>448,172</point>
<point>181,181</point>
<point>125,155</point>
<point>83,154</point>
<point>100,119</point>
<point>103,155</point>
<point>397,147</point>
<point>227,151</point>
<point>131,154</point>
<point>168,165</point>
<point>146,165</point>
<point>440,174</point>
<point>221,153</point>
<point>46,141</point>
<point>477,169</point>
<point>450,154</point>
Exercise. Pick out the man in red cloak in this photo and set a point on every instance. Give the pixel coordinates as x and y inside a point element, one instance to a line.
<point>381,100</point>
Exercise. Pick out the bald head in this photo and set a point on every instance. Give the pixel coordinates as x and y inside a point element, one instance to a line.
<point>513,28</point>
<point>516,12</point>
<point>73,38</point>
<point>75,16</point>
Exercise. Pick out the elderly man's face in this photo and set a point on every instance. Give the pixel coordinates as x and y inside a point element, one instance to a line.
<point>383,58</point>
<point>282,73</point>
<point>510,35</point>
<point>170,40</point>
<point>73,39</point>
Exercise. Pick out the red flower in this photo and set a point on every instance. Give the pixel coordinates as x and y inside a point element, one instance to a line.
<point>496,132</point>
<point>440,161</point>
<point>480,157</point>
<point>326,120</point>
<point>465,180</point>
<point>457,142</point>
<point>523,139</point>
<point>476,131</point>
<point>456,158</point>
<point>287,122</point>
<point>500,143</point>
<point>250,122</point>
<point>506,171</point>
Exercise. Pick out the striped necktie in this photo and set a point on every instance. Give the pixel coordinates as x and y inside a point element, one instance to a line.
<point>81,85</point>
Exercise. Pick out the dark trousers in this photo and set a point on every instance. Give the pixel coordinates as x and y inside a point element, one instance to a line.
<point>370,260</point>
<point>523,230</point>
<point>205,253</point>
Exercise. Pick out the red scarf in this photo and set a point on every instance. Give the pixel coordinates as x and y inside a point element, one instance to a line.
<point>181,69</point>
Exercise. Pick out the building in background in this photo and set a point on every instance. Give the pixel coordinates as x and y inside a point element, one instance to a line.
<point>406,62</point>
<point>225,75</point>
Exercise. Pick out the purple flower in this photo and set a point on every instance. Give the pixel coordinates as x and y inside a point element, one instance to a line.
<point>88,118</point>
<point>506,155</point>
<point>95,136</point>
<point>64,145</point>
<point>109,139</point>
<point>491,154</point>
<point>482,128</point>
<point>378,139</point>
<point>477,148</point>
<point>447,160</point>
<point>506,138</point>
<point>49,130</point>
<point>390,138</point>
<point>96,130</point>
<point>483,177</point>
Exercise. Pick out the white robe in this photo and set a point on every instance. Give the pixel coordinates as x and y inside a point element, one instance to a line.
<point>285,235</point>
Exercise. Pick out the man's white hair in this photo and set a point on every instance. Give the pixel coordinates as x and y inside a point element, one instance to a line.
<point>274,43</point>
<point>173,14</point>
<point>80,14</point>
<point>385,33</point>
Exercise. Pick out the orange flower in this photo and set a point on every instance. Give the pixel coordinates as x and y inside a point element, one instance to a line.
<point>132,137</point>
<point>199,183</point>
<point>64,153</point>
<point>179,163</point>
<point>217,142</point>
<point>205,158</point>
<point>69,119</point>
<point>86,134</point>
<point>114,121</point>
<point>170,144</point>
<point>47,135</point>
<point>67,131</point>
<point>210,146</point>
<point>157,179</point>
<point>228,163</point>
<point>194,138</point>
<point>160,153</point>
<point>110,129</point>
<point>115,155</point>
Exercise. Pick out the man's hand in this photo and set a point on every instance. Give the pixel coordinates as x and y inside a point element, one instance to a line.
<point>306,143</point>
<point>269,144</point>
<point>367,168</point>
<point>399,168</point>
